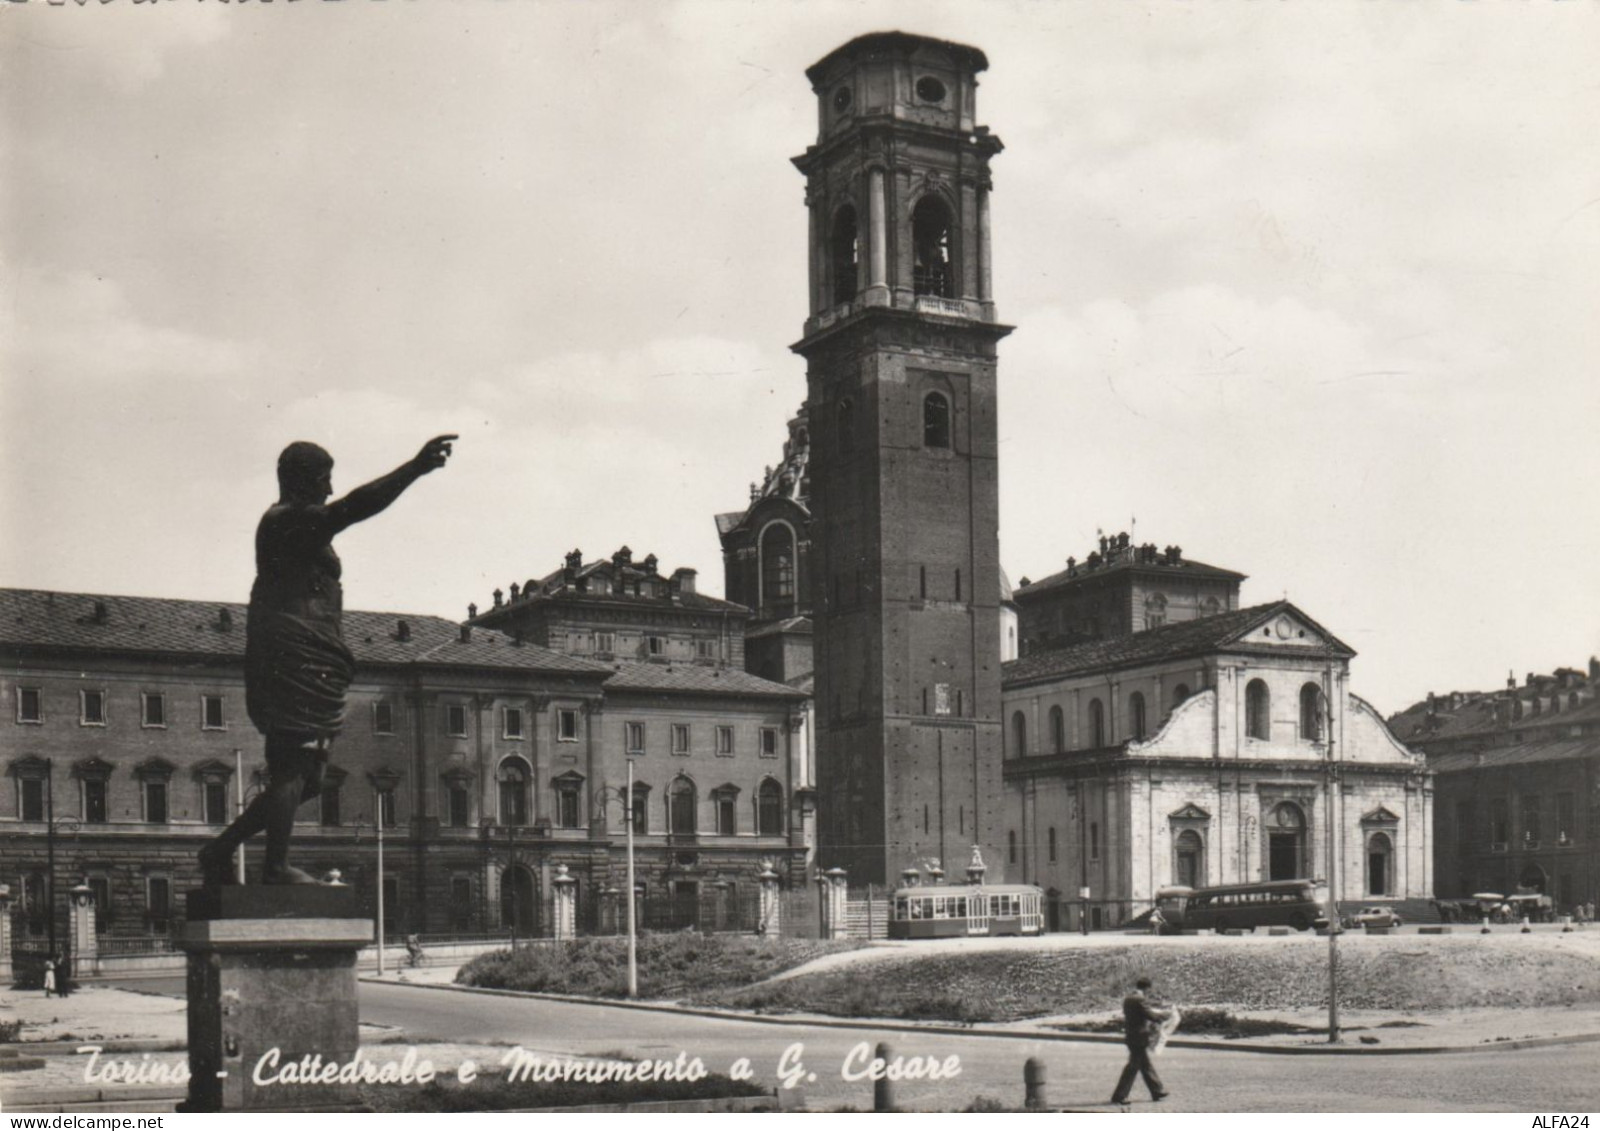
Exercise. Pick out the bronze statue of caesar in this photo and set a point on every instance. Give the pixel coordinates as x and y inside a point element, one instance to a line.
<point>296,666</point>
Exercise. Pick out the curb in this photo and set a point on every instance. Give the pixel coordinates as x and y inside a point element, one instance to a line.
<point>1010,1034</point>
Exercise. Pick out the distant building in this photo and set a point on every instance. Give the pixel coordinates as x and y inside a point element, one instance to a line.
<point>490,762</point>
<point>1120,589</point>
<point>1517,779</point>
<point>1199,753</point>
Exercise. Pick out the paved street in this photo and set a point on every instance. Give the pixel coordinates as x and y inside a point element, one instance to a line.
<point>1080,1073</point>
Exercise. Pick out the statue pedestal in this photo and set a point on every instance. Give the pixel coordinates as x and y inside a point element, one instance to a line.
<point>272,996</point>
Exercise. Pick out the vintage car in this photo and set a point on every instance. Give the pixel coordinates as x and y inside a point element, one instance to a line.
<point>1375,917</point>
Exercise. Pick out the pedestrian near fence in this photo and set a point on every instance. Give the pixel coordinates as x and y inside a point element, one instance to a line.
<point>49,978</point>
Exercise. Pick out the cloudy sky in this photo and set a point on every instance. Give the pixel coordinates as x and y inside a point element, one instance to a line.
<point>1306,289</point>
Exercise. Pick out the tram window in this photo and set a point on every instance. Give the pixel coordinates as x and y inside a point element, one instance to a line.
<point>961,907</point>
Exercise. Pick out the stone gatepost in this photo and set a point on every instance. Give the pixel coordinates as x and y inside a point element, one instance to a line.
<point>566,910</point>
<point>834,889</point>
<point>85,942</point>
<point>5,934</point>
<point>272,989</point>
<point>771,923</point>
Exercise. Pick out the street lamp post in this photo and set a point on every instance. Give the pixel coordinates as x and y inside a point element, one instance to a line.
<point>377,810</point>
<point>625,795</point>
<point>1334,926</point>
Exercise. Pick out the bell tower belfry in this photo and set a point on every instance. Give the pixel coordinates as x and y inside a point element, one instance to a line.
<point>900,349</point>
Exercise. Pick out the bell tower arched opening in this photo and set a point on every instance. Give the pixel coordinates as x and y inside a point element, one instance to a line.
<point>932,266</point>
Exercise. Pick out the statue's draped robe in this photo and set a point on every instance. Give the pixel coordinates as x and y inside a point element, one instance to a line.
<point>297,667</point>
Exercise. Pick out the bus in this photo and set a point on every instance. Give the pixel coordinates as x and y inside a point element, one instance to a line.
<point>1299,904</point>
<point>943,911</point>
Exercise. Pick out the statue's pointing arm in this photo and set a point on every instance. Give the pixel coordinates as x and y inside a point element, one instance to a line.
<point>370,498</point>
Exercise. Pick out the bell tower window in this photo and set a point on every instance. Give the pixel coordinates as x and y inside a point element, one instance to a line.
<point>931,272</point>
<point>845,255</point>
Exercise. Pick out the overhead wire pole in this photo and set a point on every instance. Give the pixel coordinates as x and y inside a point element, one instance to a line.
<point>238,794</point>
<point>1334,926</point>
<point>633,927</point>
<point>377,809</point>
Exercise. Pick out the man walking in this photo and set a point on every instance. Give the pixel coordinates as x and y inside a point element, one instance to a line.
<point>1139,1020</point>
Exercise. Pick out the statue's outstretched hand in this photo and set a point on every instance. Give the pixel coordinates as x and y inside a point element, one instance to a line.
<point>434,453</point>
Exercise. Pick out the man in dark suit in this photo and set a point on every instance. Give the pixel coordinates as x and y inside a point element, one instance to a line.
<point>1139,1021</point>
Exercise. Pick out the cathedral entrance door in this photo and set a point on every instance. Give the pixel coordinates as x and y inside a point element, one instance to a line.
<point>1283,856</point>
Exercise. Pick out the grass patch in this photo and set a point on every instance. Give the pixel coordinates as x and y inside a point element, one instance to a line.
<point>999,984</point>
<point>670,965</point>
<point>1202,1021</point>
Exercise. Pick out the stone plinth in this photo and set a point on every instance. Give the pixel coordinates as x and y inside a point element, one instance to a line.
<point>272,987</point>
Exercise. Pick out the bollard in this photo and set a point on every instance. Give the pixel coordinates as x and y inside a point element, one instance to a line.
<point>1033,1084</point>
<point>1485,928</point>
<point>882,1089</point>
<point>1527,930</point>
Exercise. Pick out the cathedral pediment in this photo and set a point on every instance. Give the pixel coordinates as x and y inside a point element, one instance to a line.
<point>1380,816</point>
<point>1190,812</point>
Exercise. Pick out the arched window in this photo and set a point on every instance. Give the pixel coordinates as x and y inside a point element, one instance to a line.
<point>514,777</point>
<point>931,269</point>
<point>682,802</point>
<point>1210,607</point>
<point>769,808</point>
<point>844,255</point>
<point>1257,710</point>
<point>1097,723</point>
<point>935,421</point>
<point>1189,860</point>
<point>777,571</point>
<point>1136,715</point>
<point>1379,850</point>
<point>1019,734</point>
<point>1311,713</point>
<point>1058,731</point>
<point>640,809</point>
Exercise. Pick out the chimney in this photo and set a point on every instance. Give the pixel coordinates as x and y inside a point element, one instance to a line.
<point>515,590</point>
<point>466,634</point>
<point>684,577</point>
<point>472,612</point>
<point>1177,555</point>
<point>623,557</point>
<point>1531,678</point>
<point>225,620</point>
<point>1072,568</point>
<point>1102,545</point>
<point>650,563</point>
<point>101,614</point>
<point>569,572</point>
<point>402,630</point>
<point>499,598</point>
<point>1431,706</point>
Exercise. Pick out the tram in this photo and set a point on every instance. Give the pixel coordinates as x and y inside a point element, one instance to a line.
<point>943,911</point>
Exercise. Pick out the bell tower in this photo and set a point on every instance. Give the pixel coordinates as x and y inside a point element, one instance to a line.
<point>900,349</point>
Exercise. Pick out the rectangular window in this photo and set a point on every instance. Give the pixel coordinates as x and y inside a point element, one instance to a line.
<point>94,801</point>
<point>941,698</point>
<point>94,708</point>
<point>769,742</point>
<point>567,808</point>
<point>32,799</point>
<point>635,737</point>
<point>1094,841</point>
<point>725,814</point>
<point>455,720</point>
<point>1499,823</point>
<point>155,802</point>
<point>725,741</point>
<point>641,812</point>
<point>460,815</point>
<point>1531,825</point>
<point>386,807</point>
<point>605,643</point>
<point>513,720</point>
<point>212,714</point>
<point>216,802</point>
<point>705,649</point>
<point>154,713</point>
<point>100,892</point>
<point>1052,846</point>
<point>680,738</point>
<point>30,707</point>
<point>566,725</point>
<point>330,805</point>
<point>1566,818</point>
<point>655,645</point>
<point>383,717</point>
<point>158,902</point>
